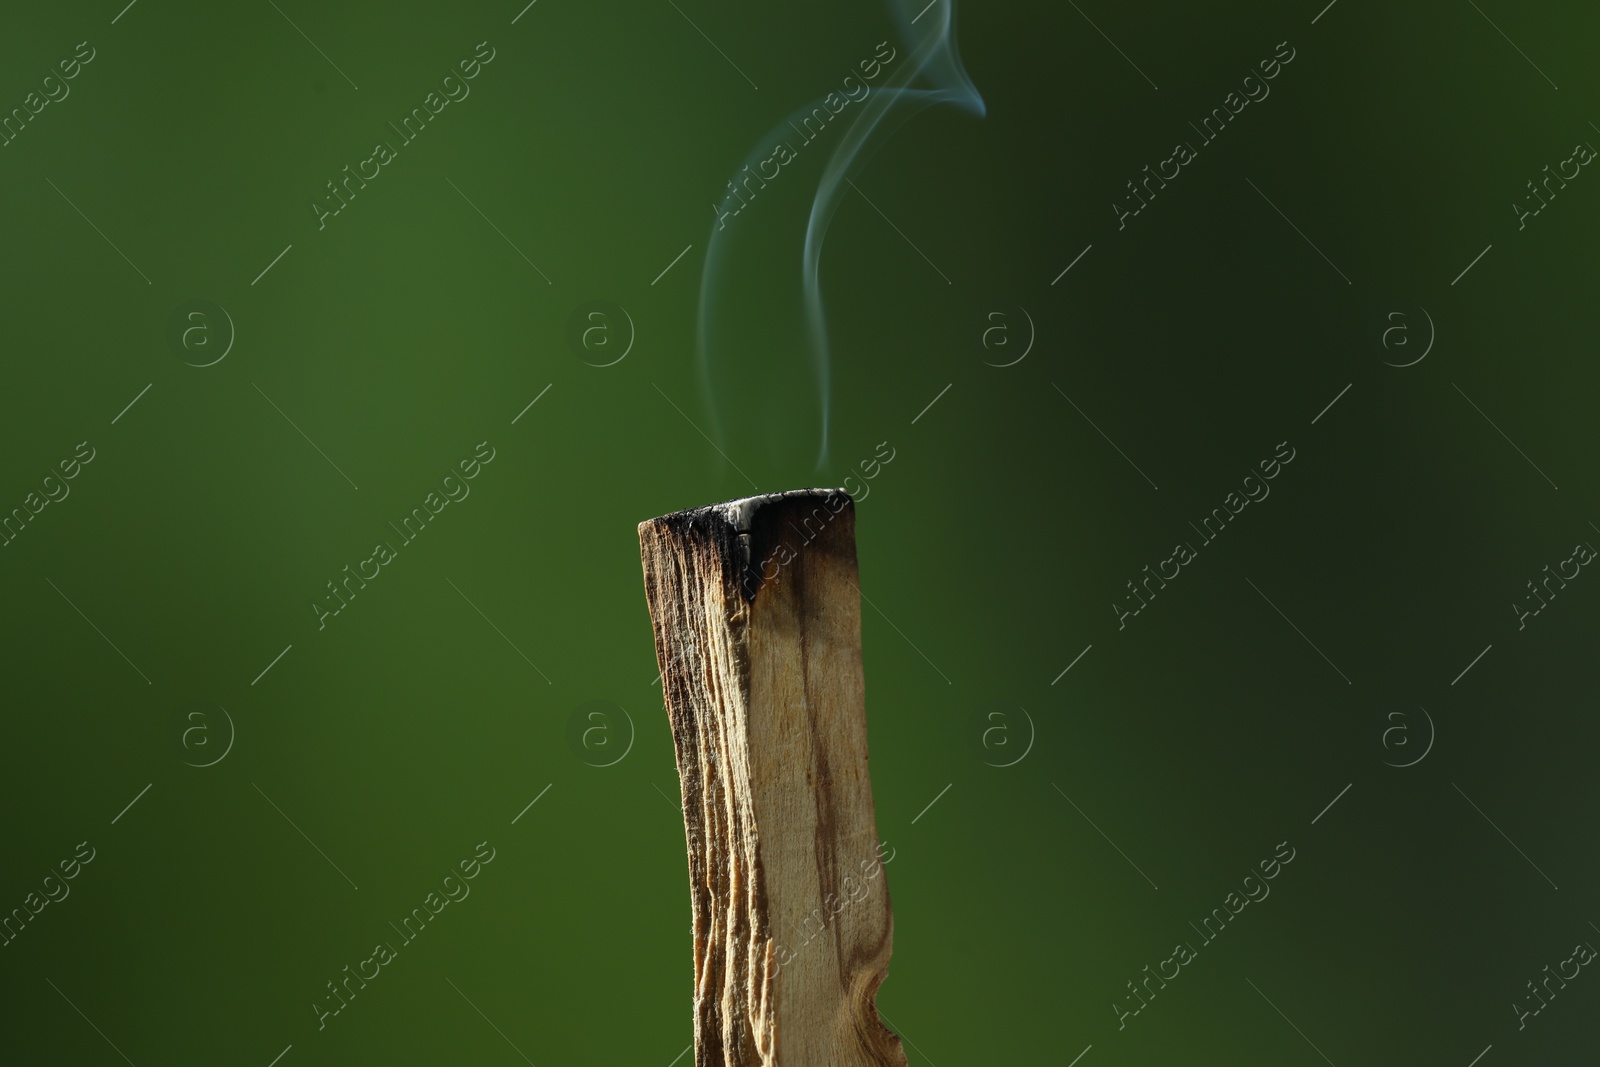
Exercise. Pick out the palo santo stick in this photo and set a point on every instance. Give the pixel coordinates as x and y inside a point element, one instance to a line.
<point>757,624</point>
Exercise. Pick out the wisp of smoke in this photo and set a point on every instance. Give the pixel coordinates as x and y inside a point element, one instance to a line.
<point>741,344</point>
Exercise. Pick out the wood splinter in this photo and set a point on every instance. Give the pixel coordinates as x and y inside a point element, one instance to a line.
<point>757,624</point>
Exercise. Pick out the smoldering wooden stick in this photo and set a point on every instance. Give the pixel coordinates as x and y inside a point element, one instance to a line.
<point>757,623</point>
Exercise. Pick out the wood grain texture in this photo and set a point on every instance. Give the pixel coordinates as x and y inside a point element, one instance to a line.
<point>757,620</point>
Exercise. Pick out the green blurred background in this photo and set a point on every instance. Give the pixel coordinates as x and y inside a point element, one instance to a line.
<point>1176,752</point>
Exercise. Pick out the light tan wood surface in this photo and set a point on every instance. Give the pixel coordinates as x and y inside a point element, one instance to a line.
<point>756,611</point>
